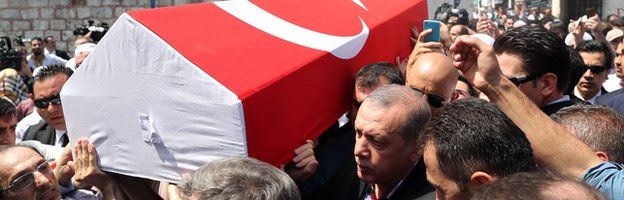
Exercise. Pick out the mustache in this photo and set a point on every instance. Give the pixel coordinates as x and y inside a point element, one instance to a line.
<point>363,163</point>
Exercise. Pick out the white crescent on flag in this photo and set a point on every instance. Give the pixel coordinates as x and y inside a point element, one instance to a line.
<point>344,47</point>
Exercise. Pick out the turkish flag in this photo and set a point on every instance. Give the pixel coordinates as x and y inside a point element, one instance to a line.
<point>169,89</point>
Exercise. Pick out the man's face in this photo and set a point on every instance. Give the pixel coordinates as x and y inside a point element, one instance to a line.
<point>461,90</point>
<point>619,60</point>
<point>7,129</point>
<point>50,44</point>
<point>81,57</point>
<point>45,89</point>
<point>512,66</point>
<point>445,187</point>
<point>381,154</point>
<point>455,32</point>
<point>19,161</point>
<point>36,47</point>
<point>434,91</point>
<point>509,23</point>
<point>590,83</point>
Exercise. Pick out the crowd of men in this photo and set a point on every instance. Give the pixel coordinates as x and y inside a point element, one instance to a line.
<point>508,107</point>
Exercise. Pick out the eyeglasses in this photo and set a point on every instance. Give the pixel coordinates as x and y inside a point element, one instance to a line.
<point>45,102</point>
<point>24,181</point>
<point>522,79</point>
<point>595,69</point>
<point>434,100</point>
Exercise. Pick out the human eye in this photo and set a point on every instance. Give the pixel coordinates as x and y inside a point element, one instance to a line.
<point>23,181</point>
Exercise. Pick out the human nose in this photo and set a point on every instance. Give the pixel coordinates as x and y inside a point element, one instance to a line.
<point>41,181</point>
<point>361,149</point>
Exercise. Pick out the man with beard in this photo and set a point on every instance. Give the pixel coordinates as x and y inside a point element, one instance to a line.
<point>38,58</point>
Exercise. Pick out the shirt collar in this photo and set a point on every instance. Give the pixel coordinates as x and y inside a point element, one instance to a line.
<point>562,99</point>
<point>592,100</point>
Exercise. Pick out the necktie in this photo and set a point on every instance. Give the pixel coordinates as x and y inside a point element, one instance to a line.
<point>64,139</point>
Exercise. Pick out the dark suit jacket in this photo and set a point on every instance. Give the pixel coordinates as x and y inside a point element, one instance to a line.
<point>607,98</point>
<point>553,108</point>
<point>62,54</point>
<point>415,185</point>
<point>41,132</point>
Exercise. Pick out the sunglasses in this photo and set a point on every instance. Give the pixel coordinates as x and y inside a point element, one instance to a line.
<point>518,80</point>
<point>595,69</point>
<point>24,181</point>
<point>45,102</point>
<point>434,100</point>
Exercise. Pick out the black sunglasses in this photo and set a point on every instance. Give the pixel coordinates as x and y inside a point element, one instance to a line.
<point>45,102</point>
<point>434,100</point>
<point>595,69</point>
<point>523,79</point>
<point>24,181</point>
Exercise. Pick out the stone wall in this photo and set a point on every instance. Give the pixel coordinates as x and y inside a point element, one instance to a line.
<point>58,18</point>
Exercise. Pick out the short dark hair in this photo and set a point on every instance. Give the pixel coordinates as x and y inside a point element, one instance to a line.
<point>471,89</point>
<point>47,38</point>
<point>45,72</point>
<point>36,38</point>
<point>541,51</point>
<point>595,46</point>
<point>471,135</point>
<point>537,185</point>
<point>368,76</point>
<point>598,126</point>
<point>7,109</point>
<point>577,70</point>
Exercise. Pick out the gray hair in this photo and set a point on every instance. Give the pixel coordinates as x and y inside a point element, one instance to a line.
<point>239,178</point>
<point>416,109</point>
<point>599,127</point>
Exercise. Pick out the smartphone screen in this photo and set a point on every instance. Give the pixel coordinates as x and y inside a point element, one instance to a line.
<point>434,25</point>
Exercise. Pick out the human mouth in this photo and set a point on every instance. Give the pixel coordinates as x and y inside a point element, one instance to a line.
<point>586,85</point>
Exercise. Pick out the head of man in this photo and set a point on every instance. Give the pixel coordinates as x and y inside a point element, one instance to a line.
<point>536,60</point>
<point>8,122</point>
<point>49,43</point>
<point>619,60</point>
<point>24,174</point>
<point>82,51</point>
<point>471,143</point>
<point>464,89</point>
<point>369,78</point>
<point>36,46</point>
<point>387,127</point>
<point>599,127</point>
<point>598,60</point>
<point>49,81</point>
<point>434,75</point>
<point>547,12</point>
<point>458,29</point>
<point>536,185</point>
<point>239,178</point>
<point>509,23</point>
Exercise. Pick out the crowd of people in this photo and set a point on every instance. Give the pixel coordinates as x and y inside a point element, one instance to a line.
<point>508,106</point>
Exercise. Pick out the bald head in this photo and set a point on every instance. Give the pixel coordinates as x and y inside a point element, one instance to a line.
<point>433,73</point>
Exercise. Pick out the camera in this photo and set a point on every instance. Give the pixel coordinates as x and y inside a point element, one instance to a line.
<point>9,57</point>
<point>97,32</point>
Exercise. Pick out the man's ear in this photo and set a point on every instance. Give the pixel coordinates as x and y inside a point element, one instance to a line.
<point>549,81</point>
<point>602,155</point>
<point>30,95</point>
<point>454,96</point>
<point>480,178</point>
